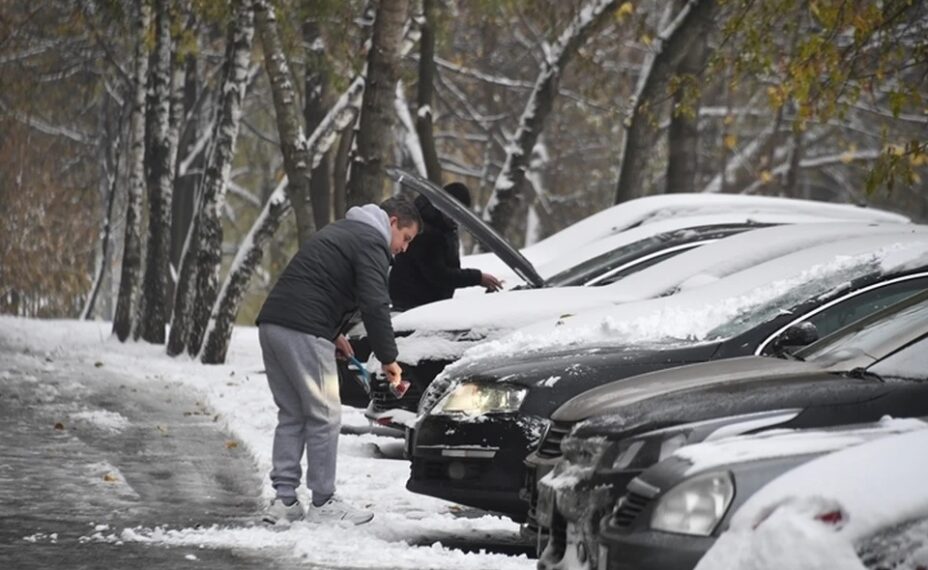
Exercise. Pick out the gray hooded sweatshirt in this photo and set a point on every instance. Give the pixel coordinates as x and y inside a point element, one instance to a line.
<point>340,269</point>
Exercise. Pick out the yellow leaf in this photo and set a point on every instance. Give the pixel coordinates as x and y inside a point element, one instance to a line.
<point>729,119</point>
<point>731,141</point>
<point>646,39</point>
<point>766,176</point>
<point>626,9</point>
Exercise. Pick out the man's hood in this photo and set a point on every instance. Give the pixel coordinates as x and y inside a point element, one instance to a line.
<point>374,216</point>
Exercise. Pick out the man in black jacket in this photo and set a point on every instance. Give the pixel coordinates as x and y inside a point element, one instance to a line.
<point>341,268</point>
<point>430,270</point>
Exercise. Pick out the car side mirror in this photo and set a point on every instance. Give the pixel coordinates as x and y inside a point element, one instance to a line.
<point>796,336</point>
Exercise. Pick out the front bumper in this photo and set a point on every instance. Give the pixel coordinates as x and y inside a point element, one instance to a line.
<point>569,517</point>
<point>478,463</point>
<point>649,549</point>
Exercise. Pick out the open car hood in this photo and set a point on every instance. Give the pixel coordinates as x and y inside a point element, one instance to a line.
<point>483,233</point>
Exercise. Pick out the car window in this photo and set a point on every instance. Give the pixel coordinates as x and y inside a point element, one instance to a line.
<point>910,363</point>
<point>871,337</point>
<point>858,306</point>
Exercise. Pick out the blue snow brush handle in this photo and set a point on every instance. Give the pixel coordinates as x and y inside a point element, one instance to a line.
<point>361,374</point>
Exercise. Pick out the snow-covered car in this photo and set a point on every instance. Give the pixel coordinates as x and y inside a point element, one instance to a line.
<point>861,373</point>
<point>432,336</point>
<point>484,415</point>
<point>674,512</point>
<point>599,250</point>
<point>862,507</point>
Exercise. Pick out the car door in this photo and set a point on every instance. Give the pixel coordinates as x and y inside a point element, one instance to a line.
<point>853,306</point>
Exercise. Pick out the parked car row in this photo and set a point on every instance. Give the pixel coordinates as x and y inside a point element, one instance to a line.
<point>630,406</point>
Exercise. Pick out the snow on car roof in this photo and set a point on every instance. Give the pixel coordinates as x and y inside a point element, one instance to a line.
<point>630,236</point>
<point>652,209</point>
<point>511,309</point>
<point>758,292</point>
<point>863,489</point>
<point>709,455</point>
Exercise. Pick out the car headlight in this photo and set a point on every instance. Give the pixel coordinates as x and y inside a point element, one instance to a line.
<point>477,399</point>
<point>695,506</point>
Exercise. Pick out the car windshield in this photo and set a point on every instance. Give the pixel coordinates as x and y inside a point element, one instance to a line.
<point>867,337</point>
<point>751,315</point>
<point>645,252</point>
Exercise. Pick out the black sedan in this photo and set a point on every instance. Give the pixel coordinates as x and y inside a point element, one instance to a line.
<point>604,454</point>
<point>470,446</point>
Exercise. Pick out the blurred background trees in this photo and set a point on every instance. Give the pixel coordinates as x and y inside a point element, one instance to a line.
<point>136,134</point>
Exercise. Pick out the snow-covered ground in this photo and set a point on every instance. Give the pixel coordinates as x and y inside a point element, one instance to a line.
<point>237,392</point>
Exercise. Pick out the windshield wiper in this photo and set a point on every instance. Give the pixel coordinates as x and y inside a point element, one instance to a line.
<point>864,374</point>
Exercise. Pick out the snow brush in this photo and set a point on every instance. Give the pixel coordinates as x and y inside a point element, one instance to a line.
<point>360,374</point>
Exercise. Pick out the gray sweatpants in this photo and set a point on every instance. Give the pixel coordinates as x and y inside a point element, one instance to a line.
<point>303,378</point>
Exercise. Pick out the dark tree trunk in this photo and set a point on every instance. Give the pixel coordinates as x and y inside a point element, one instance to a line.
<point>185,184</point>
<point>367,169</point>
<point>208,247</point>
<point>316,87</point>
<point>509,190</point>
<point>289,122</point>
<point>160,182</point>
<point>424,90</point>
<point>340,172</point>
<point>683,134</point>
<point>693,22</point>
<point>132,252</point>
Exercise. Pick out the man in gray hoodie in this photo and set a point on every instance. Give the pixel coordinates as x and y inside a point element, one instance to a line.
<point>340,269</point>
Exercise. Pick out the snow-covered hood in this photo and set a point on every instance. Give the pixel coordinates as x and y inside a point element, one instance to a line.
<point>863,489</point>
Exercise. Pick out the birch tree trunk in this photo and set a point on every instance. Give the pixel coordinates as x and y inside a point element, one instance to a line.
<point>132,252</point>
<point>206,249</point>
<point>367,169</point>
<point>424,91</point>
<point>289,125</point>
<point>692,22</point>
<point>316,87</point>
<point>160,183</point>
<point>110,161</point>
<point>341,116</point>
<point>510,184</point>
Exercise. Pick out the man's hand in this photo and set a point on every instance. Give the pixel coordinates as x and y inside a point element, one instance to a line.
<point>343,348</point>
<point>490,282</point>
<point>393,372</point>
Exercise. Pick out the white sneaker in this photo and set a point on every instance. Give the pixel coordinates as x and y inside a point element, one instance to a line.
<point>335,509</point>
<point>279,514</point>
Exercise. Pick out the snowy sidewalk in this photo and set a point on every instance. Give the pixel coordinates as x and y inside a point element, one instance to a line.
<point>235,397</point>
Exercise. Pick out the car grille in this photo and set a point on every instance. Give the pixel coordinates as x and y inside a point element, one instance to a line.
<point>550,446</point>
<point>629,508</point>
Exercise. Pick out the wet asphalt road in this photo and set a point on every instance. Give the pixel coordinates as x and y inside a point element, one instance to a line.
<point>61,476</point>
<point>162,462</point>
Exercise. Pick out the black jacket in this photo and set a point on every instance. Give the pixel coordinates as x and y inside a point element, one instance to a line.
<point>430,269</point>
<point>341,268</point>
